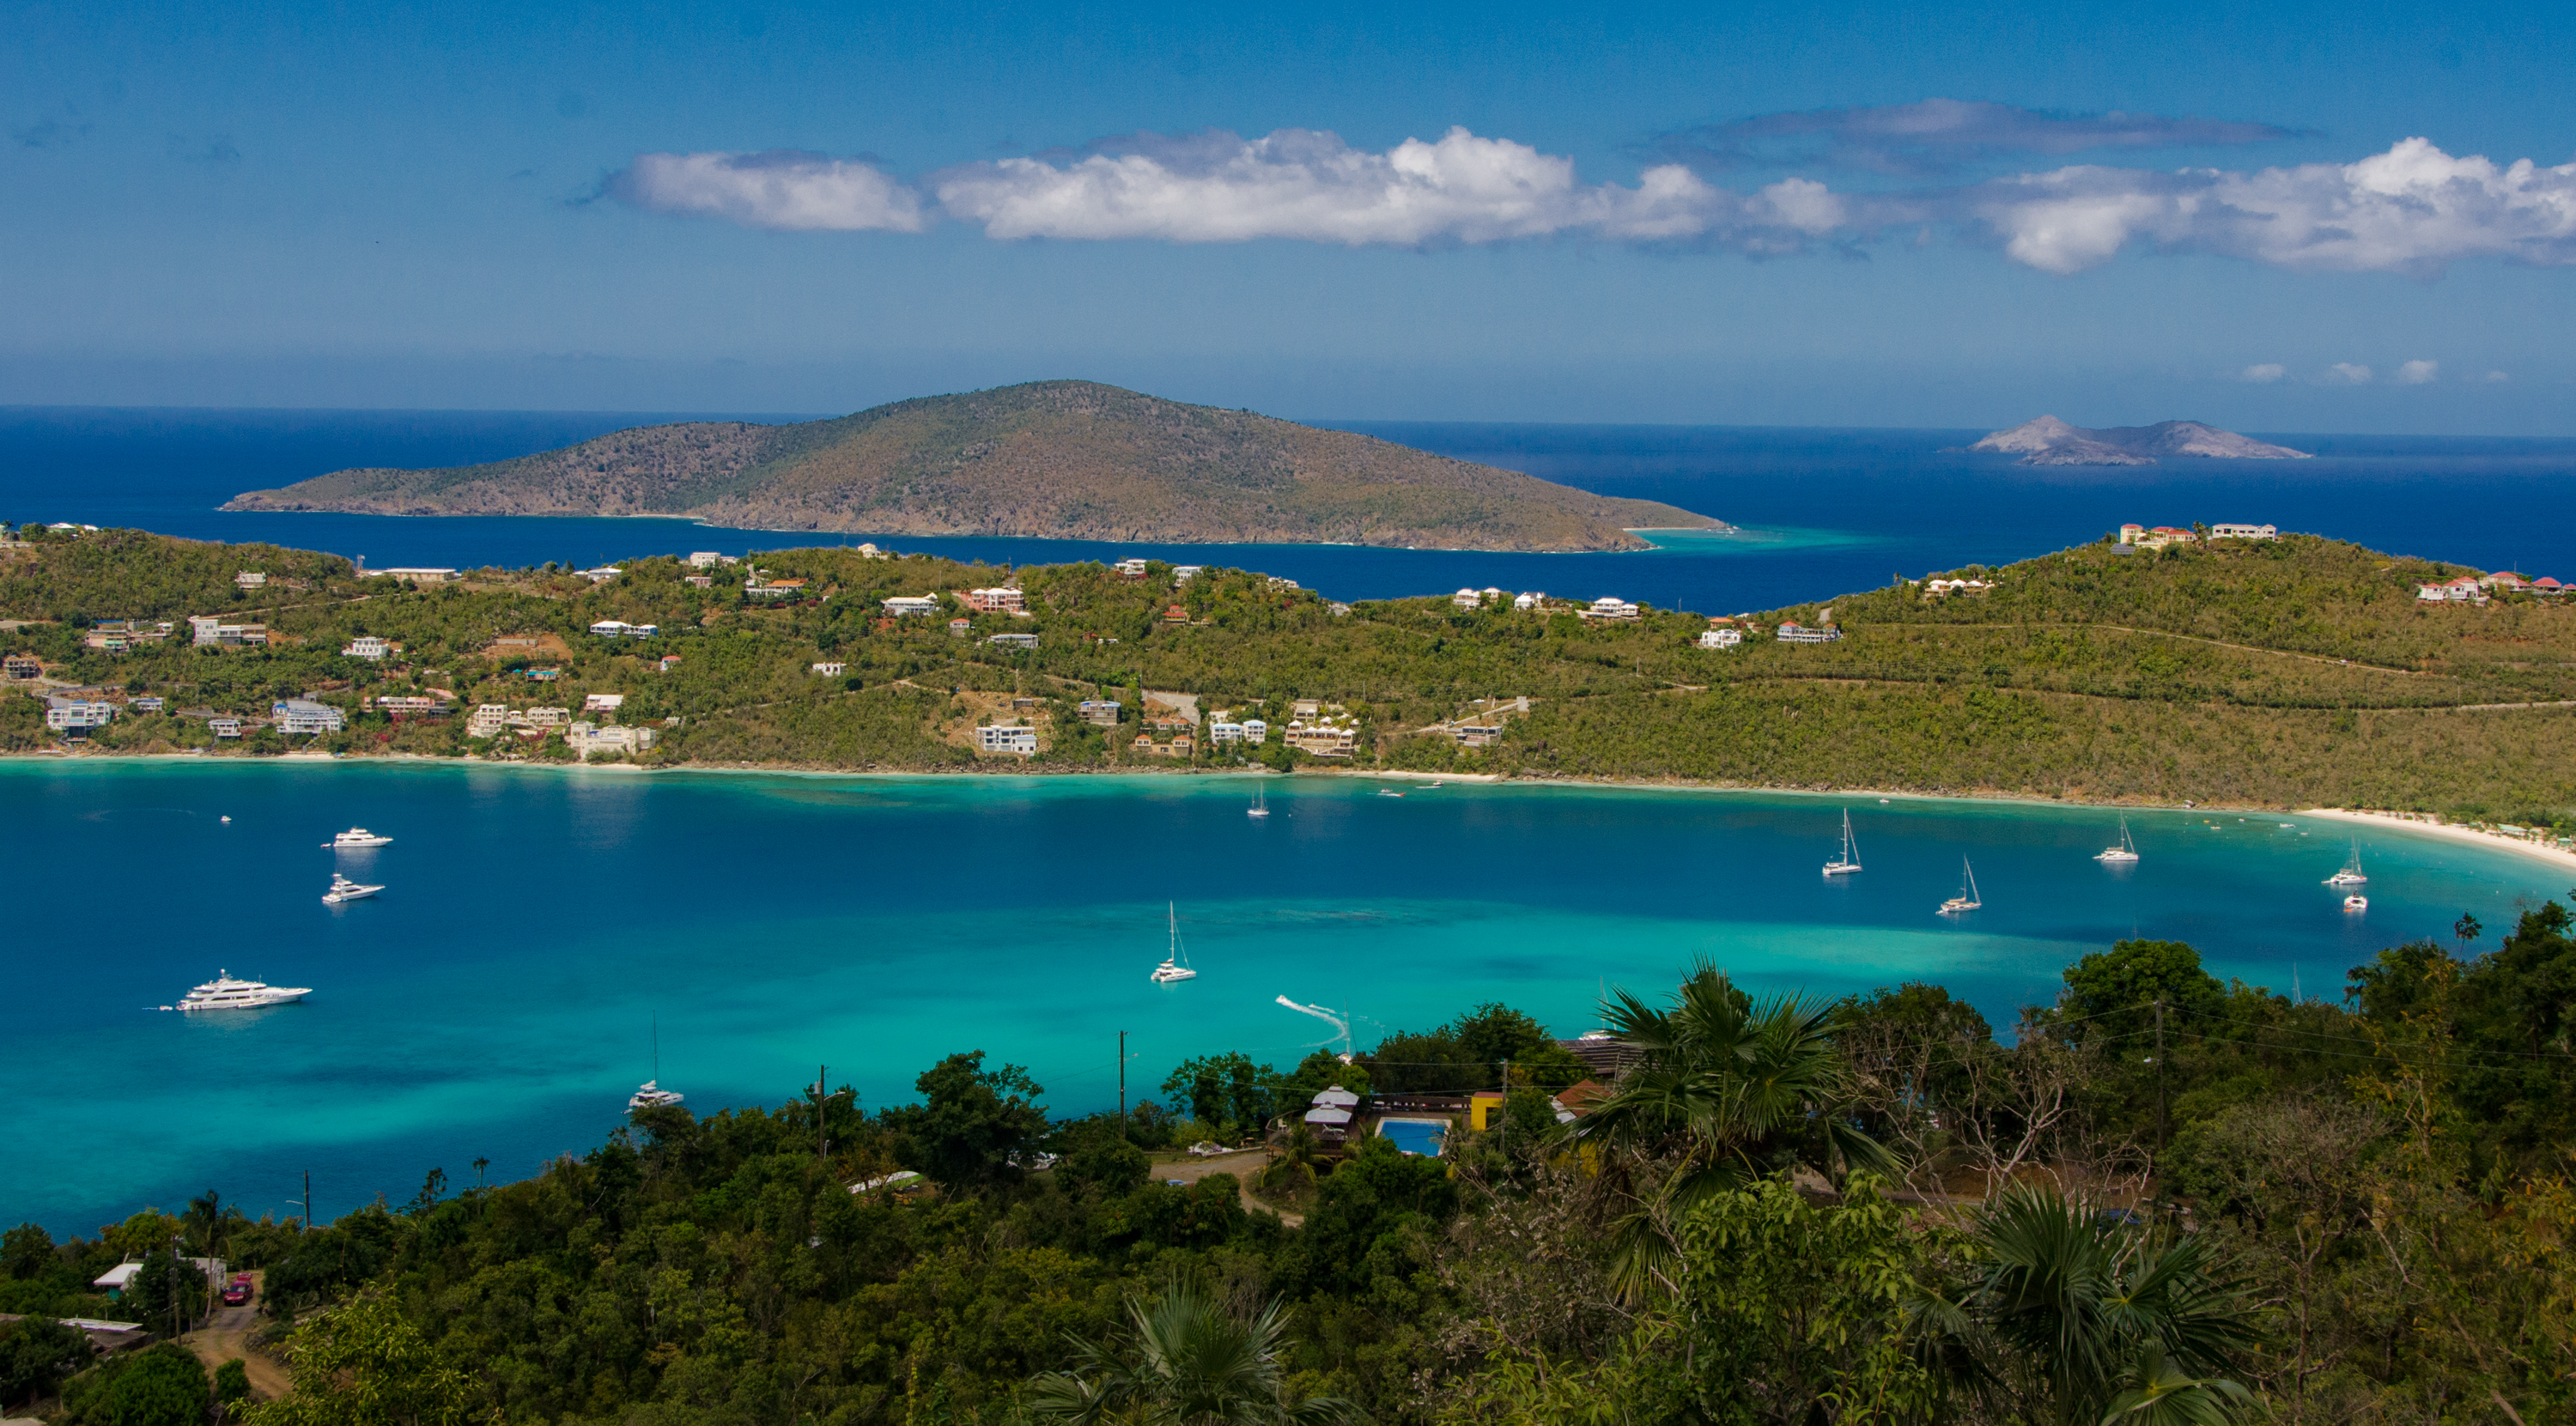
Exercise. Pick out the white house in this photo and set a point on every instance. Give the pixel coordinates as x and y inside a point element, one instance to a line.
<point>249,579</point>
<point>1529,601</point>
<point>366,646</point>
<point>602,702</point>
<point>1795,633</point>
<point>603,574</point>
<point>1255,731</point>
<point>1014,641</point>
<point>69,715</point>
<point>1467,599</point>
<point>1721,639</point>
<point>997,601</point>
<point>414,575</point>
<point>224,727</point>
<point>1611,606</point>
<point>831,670</point>
<point>2243,532</point>
<point>303,715</point>
<point>585,738</point>
<point>903,605</point>
<point>1225,730</point>
<point>487,720</point>
<point>709,559</point>
<point>1131,569</point>
<point>1023,741</point>
<point>1184,573</point>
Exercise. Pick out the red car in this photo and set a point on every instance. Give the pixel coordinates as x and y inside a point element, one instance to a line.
<point>237,1291</point>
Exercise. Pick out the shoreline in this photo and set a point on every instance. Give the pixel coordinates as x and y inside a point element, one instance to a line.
<point>2442,831</point>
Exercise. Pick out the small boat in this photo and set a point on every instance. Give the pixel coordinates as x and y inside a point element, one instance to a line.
<point>356,837</point>
<point>1388,792</point>
<point>1848,860</point>
<point>1176,961</point>
<point>1258,808</point>
<point>226,993</point>
<point>653,1096</point>
<point>225,818</point>
<point>2356,903</point>
<point>2351,873</point>
<point>2122,854</point>
<point>1967,899</point>
<point>344,890</point>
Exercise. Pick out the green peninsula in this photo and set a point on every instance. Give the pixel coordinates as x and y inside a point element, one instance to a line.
<point>2293,672</point>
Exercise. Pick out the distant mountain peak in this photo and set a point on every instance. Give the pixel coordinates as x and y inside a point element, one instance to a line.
<point>2050,441</point>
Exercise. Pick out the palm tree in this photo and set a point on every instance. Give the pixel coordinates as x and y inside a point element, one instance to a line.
<point>1294,1169</point>
<point>1727,1089</point>
<point>1189,1363</point>
<point>2094,1316</point>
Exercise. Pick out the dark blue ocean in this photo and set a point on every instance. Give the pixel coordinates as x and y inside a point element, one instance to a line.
<point>496,1001</point>
<point>1823,512</point>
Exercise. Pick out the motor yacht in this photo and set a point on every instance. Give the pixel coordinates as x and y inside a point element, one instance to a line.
<point>2351,873</point>
<point>344,890</point>
<point>226,993</point>
<point>1967,899</point>
<point>1848,860</point>
<point>1176,960</point>
<point>356,837</point>
<point>2122,854</point>
<point>2356,903</point>
<point>653,1096</point>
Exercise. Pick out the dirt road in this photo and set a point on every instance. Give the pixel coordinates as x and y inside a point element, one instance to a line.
<point>1243,1164</point>
<point>226,1335</point>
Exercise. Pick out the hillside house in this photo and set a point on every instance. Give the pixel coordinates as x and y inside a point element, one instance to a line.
<point>602,702</point>
<point>761,587</point>
<point>2464,590</point>
<point>224,727</point>
<point>669,662</point>
<point>2244,532</point>
<point>487,720</point>
<point>1277,583</point>
<point>1014,641</point>
<point>1020,741</point>
<point>831,669</point>
<point>22,667</point>
<point>603,574</point>
<point>1184,573</point>
<point>960,628</point>
<point>143,704</point>
<point>586,738</point>
<point>905,606</point>
<point>402,707</point>
<point>303,715</point>
<point>1610,607</point>
<point>699,581</point>
<point>709,559</point>
<point>1130,569</point>
<point>1721,638</point>
<point>1524,603</point>
<point>1468,599</point>
<point>1103,711</point>
<point>1176,615</point>
<point>77,715</point>
<point>366,646</point>
<point>1796,633</point>
<point>249,579</point>
<point>207,631</point>
<point>414,574</point>
<point>997,601</point>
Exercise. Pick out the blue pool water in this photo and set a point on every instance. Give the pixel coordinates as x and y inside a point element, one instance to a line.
<point>1415,1136</point>
<point>498,1000</point>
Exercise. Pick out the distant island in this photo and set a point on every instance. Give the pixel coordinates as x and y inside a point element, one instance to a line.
<point>1050,459</point>
<point>2050,441</point>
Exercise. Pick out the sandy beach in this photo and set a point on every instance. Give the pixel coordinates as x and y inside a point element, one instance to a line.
<point>2472,836</point>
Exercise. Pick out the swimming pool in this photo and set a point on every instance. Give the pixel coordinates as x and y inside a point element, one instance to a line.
<point>1415,1136</point>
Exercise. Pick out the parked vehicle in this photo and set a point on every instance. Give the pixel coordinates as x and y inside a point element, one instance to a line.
<point>237,1291</point>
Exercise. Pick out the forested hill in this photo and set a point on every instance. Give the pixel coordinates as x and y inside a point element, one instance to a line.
<point>2299,673</point>
<point>1053,459</point>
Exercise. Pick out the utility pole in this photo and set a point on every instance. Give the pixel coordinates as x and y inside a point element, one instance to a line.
<point>308,1202</point>
<point>2160,1076</point>
<point>822,1146</point>
<point>1122,1085</point>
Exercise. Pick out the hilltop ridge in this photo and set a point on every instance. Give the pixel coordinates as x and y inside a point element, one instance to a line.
<point>1049,459</point>
<point>2050,441</point>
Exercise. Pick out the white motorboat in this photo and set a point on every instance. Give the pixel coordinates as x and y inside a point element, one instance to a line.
<point>653,1096</point>
<point>344,890</point>
<point>1258,807</point>
<point>1967,899</point>
<point>2351,873</point>
<point>1176,960</point>
<point>1388,792</point>
<point>356,837</point>
<point>2122,854</point>
<point>1849,860</point>
<point>2356,903</point>
<point>226,993</point>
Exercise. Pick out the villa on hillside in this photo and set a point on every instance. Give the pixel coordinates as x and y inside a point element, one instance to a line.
<point>1796,633</point>
<point>904,606</point>
<point>1022,741</point>
<point>1611,607</point>
<point>997,601</point>
<point>2243,532</point>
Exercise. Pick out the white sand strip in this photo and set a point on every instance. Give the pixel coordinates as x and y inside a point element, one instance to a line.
<point>2494,841</point>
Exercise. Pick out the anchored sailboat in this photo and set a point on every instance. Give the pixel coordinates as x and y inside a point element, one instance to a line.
<point>1967,899</point>
<point>2351,873</point>
<point>1176,960</point>
<point>2126,852</point>
<point>1258,808</point>
<point>653,1095</point>
<point>1849,860</point>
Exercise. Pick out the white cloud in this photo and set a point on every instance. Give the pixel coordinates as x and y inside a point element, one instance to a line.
<point>2418,373</point>
<point>2345,373</point>
<point>1932,135</point>
<point>2495,376</point>
<point>1303,184</point>
<point>2413,209</point>
<point>2263,373</point>
<point>781,188</point>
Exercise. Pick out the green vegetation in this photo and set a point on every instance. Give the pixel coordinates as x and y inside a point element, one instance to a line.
<point>2296,673</point>
<point>1058,459</point>
<point>2168,1199</point>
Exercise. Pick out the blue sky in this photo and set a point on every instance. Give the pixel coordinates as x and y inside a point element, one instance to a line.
<point>1752,214</point>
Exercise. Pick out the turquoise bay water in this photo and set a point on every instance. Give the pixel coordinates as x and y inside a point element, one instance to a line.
<point>497,1000</point>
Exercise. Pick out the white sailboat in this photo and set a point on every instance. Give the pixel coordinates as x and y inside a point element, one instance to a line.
<point>653,1095</point>
<point>1967,899</point>
<point>1849,860</point>
<point>1258,807</point>
<point>2351,873</point>
<point>1176,960</point>
<point>2122,854</point>
<point>344,890</point>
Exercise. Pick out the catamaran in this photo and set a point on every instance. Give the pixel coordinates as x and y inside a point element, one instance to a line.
<point>1176,961</point>
<point>653,1095</point>
<point>1258,808</point>
<point>345,890</point>
<point>1967,899</point>
<point>1849,860</point>
<point>2351,873</point>
<point>226,993</point>
<point>2126,852</point>
<point>355,837</point>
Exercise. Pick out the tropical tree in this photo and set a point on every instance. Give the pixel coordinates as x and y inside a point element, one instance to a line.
<point>1726,1090</point>
<point>1185,1361</point>
<point>364,1364</point>
<point>1293,1169</point>
<point>2084,1317</point>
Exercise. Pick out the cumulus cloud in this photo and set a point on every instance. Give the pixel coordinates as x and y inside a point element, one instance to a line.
<point>779,188</point>
<point>2413,209</point>
<point>2418,373</point>
<point>1217,187</point>
<point>2263,373</point>
<point>2347,373</point>
<point>1935,136</point>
